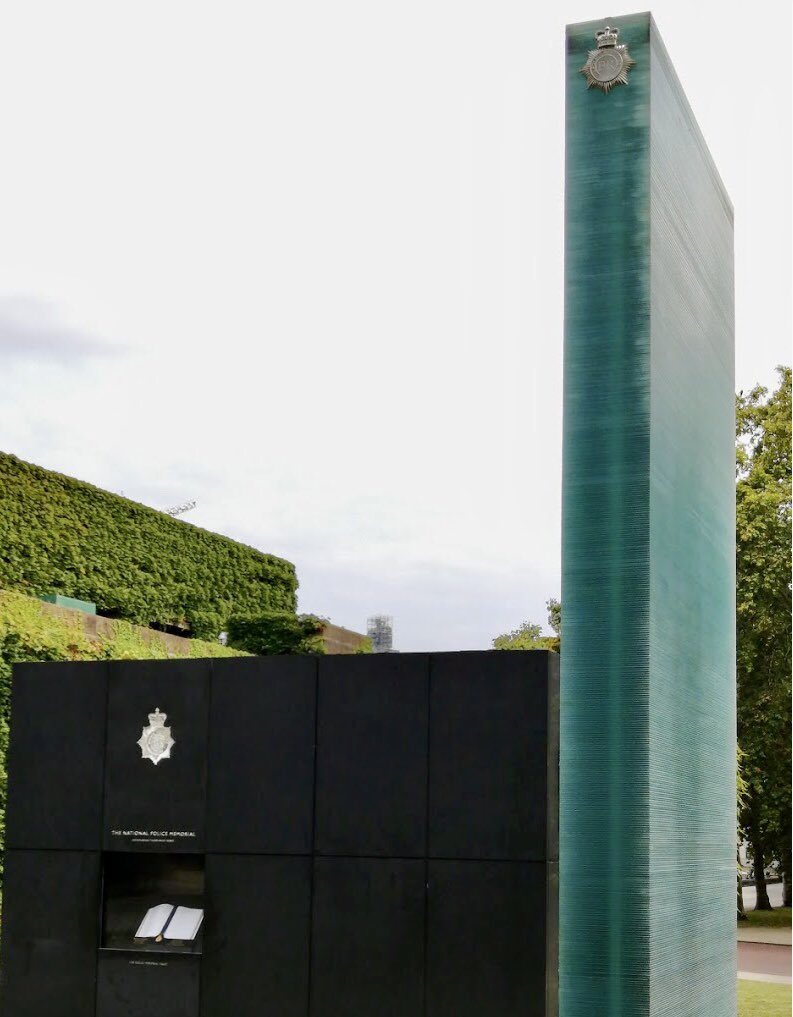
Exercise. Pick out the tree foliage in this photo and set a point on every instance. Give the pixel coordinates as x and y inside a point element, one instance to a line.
<point>742,789</point>
<point>555,615</point>
<point>274,632</point>
<point>763,562</point>
<point>60,535</point>
<point>528,635</point>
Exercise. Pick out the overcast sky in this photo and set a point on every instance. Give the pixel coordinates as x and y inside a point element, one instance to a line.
<point>302,262</point>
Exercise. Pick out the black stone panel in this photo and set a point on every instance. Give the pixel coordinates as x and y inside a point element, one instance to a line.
<point>158,807</point>
<point>552,938</point>
<point>50,933</point>
<point>489,764</point>
<point>57,756</point>
<point>261,780</point>
<point>342,933</point>
<point>372,755</point>
<point>368,937</point>
<point>256,940</point>
<point>137,984</point>
<point>486,939</point>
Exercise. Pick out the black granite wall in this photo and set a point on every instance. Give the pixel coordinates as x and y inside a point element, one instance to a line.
<point>377,835</point>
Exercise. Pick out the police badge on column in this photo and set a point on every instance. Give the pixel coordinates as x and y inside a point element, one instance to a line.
<point>156,741</point>
<point>608,65</point>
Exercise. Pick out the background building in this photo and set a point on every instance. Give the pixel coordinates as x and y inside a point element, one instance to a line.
<point>380,629</point>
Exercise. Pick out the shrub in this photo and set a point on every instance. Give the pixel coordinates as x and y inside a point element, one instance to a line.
<point>274,632</point>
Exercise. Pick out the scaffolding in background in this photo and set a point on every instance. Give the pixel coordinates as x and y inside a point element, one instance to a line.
<point>380,629</point>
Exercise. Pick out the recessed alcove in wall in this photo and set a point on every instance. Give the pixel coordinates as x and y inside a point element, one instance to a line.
<point>132,884</point>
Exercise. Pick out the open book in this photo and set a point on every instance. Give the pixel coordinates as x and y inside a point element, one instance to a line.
<point>166,921</point>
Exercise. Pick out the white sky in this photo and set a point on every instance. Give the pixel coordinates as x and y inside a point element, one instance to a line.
<point>302,261</point>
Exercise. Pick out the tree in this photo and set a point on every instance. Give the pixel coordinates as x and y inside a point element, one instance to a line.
<point>276,632</point>
<point>528,635</point>
<point>555,615</point>
<point>763,562</point>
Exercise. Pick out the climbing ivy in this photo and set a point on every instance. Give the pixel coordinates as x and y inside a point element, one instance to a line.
<point>60,535</point>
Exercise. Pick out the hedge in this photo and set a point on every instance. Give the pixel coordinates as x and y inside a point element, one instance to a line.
<point>29,633</point>
<point>60,535</point>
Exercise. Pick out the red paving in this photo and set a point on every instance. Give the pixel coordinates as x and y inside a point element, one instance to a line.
<point>764,958</point>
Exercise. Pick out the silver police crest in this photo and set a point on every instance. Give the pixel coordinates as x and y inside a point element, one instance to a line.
<point>156,741</point>
<point>608,65</point>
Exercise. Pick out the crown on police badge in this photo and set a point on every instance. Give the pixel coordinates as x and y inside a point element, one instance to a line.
<point>607,36</point>
<point>156,741</point>
<point>608,65</point>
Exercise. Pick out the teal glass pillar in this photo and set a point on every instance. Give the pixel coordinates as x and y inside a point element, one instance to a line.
<point>647,795</point>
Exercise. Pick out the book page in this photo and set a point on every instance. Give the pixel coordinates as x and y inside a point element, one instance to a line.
<point>155,919</point>
<point>185,924</point>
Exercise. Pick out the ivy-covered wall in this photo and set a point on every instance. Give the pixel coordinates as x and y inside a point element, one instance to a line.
<point>60,535</point>
<point>31,632</point>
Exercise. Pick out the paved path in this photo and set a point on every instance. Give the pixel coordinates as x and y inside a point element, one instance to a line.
<point>759,934</point>
<point>766,962</point>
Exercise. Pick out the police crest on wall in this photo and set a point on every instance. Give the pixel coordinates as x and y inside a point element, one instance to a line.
<point>156,741</point>
<point>608,65</point>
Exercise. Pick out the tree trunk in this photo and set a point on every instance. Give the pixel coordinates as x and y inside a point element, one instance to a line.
<point>786,863</point>
<point>758,865</point>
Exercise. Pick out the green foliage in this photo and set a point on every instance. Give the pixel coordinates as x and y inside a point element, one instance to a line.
<point>365,645</point>
<point>742,790</point>
<point>28,632</point>
<point>528,636</point>
<point>741,786</point>
<point>763,558</point>
<point>555,615</point>
<point>274,632</point>
<point>60,535</point>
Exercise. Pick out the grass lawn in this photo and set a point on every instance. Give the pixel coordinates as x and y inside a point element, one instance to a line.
<point>779,918</point>
<point>763,999</point>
